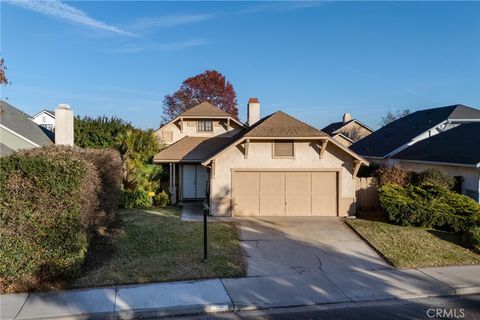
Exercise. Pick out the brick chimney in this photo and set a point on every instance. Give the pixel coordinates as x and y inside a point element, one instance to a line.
<point>346,117</point>
<point>64,125</point>
<point>253,111</point>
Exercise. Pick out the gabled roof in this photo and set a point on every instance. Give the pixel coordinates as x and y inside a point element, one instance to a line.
<point>459,145</point>
<point>191,149</point>
<point>399,132</point>
<point>341,135</point>
<point>50,112</point>
<point>20,123</point>
<point>280,124</point>
<point>205,109</point>
<point>334,126</point>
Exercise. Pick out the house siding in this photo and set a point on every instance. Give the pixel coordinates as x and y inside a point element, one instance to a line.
<point>260,157</point>
<point>14,142</point>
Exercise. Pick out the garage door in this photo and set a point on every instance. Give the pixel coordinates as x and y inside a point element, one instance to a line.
<point>285,193</point>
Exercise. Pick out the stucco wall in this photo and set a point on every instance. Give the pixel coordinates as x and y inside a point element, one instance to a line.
<point>190,129</point>
<point>260,157</point>
<point>471,176</point>
<point>353,126</point>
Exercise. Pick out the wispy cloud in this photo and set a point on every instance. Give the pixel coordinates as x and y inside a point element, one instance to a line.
<point>169,46</point>
<point>149,23</point>
<point>58,9</point>
<point>281,6</point>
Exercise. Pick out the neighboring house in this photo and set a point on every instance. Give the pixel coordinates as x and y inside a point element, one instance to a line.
<point>455,152</point>
<point>398,135</point>
<point>445,138</point>
<point>46,119</point>
<point>18,131</point>
<point>277,165</point>
<point>347,131</point>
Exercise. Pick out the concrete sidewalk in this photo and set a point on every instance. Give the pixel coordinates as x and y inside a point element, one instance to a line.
<point>189,297</point>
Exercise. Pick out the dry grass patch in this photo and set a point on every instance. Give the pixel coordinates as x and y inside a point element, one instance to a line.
<point>155,245</point>
<point>410,247</point>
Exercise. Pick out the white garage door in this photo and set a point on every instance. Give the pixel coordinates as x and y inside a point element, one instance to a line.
<point>285,193</point>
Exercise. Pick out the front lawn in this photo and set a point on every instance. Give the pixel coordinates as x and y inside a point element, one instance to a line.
<point>410,247</point>
<point>155,245</point>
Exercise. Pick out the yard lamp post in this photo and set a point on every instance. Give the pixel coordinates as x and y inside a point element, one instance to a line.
<point>205,234</point>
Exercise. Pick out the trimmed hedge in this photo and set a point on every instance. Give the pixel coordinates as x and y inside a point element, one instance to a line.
<point>429,206</point>
<point>52,201</point>
<point>45,207</point>
<point>108,165</point>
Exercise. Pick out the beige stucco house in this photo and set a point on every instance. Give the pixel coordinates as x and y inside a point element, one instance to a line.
<point>274,166</point>
<point>348,131</point>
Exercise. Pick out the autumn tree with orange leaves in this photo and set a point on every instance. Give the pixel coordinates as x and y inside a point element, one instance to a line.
<point>3,77</point>
<point>210,86</point>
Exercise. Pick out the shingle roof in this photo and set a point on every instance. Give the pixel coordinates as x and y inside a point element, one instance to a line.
<point>281,124</point>
<point>205,109</point>
<point>397,133</point>
<point>19,122</point>
<point>334,126</point>
<point>457,145</point>
<point>192,149</point>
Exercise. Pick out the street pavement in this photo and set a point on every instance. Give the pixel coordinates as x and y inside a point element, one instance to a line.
<point>456,307</point>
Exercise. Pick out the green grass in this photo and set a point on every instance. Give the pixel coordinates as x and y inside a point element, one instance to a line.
<point>410,247</point>
<point>155,245</point>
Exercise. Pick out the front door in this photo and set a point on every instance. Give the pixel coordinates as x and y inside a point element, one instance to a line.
<point>194,181</point>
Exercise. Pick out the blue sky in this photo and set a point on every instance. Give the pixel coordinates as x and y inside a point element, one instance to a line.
<point>313,60</point>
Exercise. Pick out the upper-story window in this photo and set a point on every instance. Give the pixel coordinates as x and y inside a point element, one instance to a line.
<point>204,125</point>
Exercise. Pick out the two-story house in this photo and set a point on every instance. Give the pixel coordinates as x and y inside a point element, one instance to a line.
<point>276,165</point>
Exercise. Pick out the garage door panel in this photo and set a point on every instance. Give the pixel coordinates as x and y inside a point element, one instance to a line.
<point>247,204</point>
<point>298,182</point>
<point>272,205</point>
<point>291,193</point>
<point>246,183</point>
<point>324,205</point>
<point>298,205</point>
<point>272,182</point>
<point>324,182</point>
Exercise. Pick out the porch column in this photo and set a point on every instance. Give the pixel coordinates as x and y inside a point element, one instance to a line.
<point>172,188</point>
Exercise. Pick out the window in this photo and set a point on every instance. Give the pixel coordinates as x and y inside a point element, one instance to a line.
<point>283,149</point>
<point>204,125</point>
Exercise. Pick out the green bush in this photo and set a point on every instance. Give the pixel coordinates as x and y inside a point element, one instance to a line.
<point>434,177</point>
<point>162,199</point>
<point>429,206</point>
<point>472,238</point>
<point>136,199</point>
<point>46,205</point>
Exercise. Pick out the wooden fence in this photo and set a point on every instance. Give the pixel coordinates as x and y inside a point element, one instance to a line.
<point>366,190</point>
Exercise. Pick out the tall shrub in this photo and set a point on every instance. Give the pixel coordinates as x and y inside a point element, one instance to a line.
<point>46,205</point>
<point>108,165</point>
<point>429,206</point>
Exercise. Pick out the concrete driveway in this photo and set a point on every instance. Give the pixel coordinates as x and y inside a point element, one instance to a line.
<point>277,246</point>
